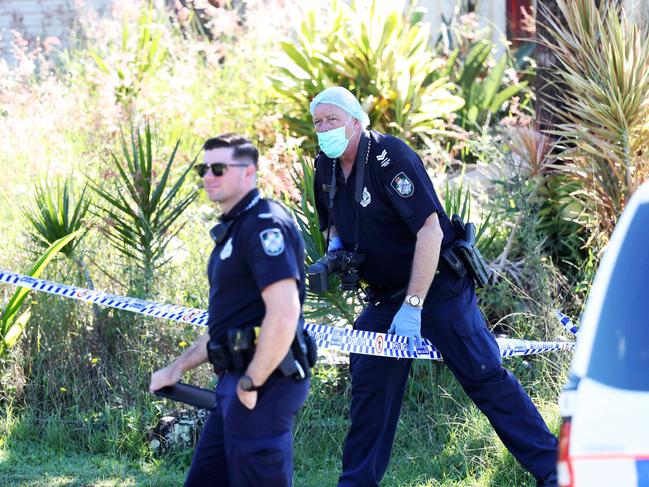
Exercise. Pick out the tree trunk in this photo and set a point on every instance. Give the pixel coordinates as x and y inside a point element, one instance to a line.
<point>545,65</point>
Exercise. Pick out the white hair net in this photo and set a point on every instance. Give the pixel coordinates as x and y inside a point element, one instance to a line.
<point>342,98</point>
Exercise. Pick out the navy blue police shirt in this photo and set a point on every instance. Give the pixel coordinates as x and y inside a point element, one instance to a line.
<point>398,197</point>
<point>262,246</point>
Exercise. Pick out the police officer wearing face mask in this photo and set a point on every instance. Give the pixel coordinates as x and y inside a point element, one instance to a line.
<point>374,196</point>
<point>256,277</point>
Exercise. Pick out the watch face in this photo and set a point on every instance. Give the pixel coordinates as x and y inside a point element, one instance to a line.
<point>414,300</point>
<point>246,383</point>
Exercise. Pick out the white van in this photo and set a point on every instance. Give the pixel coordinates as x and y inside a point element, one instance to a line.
<point>604,438</point>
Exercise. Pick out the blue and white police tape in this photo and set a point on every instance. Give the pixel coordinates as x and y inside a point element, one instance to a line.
<point>567,323</point>
<point>327,337</point>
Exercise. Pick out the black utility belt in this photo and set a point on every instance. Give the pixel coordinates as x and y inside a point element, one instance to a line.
<point>237,352</point>
<point>460,258</point>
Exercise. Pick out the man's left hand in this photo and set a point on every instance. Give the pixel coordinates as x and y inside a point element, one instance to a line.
<point>247,398</point>
<point>407,322</point>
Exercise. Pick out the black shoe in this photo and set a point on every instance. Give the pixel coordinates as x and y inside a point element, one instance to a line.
<point>548,481</point>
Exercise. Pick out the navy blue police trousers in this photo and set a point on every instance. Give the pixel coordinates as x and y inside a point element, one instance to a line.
<point>456,327</point>
<point>239,447</point>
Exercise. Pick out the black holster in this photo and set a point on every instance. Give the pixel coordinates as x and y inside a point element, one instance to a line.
<point>236,353</point>
<point>302,355</point>
<point>242,343</point>
<point>220,357</point>
<point>465,250</point>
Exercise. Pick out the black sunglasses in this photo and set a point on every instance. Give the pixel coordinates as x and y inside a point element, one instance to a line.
<point>218,168</point>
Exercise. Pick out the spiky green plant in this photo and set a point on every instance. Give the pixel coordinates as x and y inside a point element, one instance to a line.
<point>57,212</point>
<point>457,201</point>
<point>141,209</point>
<point>603,62</point>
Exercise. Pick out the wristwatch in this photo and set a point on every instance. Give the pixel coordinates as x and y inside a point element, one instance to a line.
<point>414,301</point>
<point>246,384</point>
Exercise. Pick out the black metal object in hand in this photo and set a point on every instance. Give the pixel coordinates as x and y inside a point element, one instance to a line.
<point>192,395</point>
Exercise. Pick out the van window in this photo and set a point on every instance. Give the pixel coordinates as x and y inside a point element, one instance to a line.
<point>620,355</point>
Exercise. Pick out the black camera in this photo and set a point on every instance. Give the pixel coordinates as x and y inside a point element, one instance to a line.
<point>338,262</point>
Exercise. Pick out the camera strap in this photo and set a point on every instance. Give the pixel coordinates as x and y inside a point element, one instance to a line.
<point>363,147</point>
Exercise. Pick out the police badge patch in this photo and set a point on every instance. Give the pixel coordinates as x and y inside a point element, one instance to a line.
<point>272,241</point>
<point>403,185</point>
<point>227,250</point>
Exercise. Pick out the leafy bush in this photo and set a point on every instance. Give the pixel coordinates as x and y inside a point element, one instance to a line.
<point>485,83</point>
<point>378,52</point>
<point>138,56</point>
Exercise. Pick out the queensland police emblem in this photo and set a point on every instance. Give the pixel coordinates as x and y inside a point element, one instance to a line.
<point>272,241</point>
<point>403,185</point>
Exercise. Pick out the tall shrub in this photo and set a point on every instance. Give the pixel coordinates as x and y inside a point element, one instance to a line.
<point>142,206</point>
<point>603,60</point>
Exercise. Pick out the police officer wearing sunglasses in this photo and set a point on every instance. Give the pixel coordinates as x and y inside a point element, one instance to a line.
<point>374,198</point>
<point>256,278</point>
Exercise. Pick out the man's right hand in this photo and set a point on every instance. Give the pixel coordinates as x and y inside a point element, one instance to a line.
<point>167,376</point>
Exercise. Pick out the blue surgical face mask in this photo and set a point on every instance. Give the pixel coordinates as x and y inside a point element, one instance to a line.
<point>333,142</point>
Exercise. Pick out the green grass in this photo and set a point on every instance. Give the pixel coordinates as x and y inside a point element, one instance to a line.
<point>35,464</point>
<point>442,438</point>
<point>442,441</point>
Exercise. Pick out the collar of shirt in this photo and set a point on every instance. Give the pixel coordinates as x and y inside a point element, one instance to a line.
<point>340,175</point>
<point>247,202</point>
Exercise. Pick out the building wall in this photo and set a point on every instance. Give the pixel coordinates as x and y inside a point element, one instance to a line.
<point>41,18</point>
<point>492,14</point>
<point>638,9</point>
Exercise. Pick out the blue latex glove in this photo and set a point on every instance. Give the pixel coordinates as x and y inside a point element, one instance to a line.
<point>407,322</point>
<point>335,243</point>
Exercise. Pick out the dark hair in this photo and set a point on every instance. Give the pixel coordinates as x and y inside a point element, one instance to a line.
<point>242,146</point>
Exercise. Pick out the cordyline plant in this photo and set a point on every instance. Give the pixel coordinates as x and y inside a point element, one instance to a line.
<point>528,161</point>
<point>140,209</point>
<point>603,65</point>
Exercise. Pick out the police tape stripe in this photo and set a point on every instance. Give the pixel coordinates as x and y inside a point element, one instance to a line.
<point>327,337</point>
<point>567,322</point>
